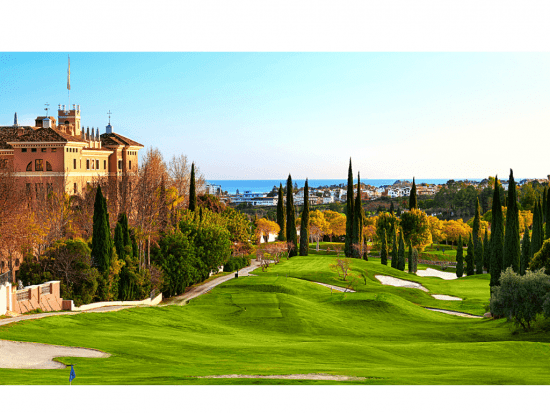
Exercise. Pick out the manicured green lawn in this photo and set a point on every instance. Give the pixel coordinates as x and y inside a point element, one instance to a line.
<point>279,324</point>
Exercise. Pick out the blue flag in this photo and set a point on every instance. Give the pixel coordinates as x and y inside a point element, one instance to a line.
<point>72,375</point>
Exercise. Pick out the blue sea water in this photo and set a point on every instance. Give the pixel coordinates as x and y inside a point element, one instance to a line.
<point>267,185</point>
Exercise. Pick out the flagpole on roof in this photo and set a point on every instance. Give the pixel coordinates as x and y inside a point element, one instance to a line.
<point>69,81</point>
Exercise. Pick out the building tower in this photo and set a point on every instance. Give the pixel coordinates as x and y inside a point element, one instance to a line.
<point>70,119</point>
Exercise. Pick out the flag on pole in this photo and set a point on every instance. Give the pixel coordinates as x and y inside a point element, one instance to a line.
<point>72,375</point>
<point>69,75</point>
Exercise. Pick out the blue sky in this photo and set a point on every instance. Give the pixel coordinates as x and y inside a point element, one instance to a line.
<point>264,115</point>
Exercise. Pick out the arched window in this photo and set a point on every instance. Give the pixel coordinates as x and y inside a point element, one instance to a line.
<point>48,166</point>
<point>29,167</point>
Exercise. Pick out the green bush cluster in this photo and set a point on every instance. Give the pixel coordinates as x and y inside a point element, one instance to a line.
<point>521,298</point>
<point>236,263</point>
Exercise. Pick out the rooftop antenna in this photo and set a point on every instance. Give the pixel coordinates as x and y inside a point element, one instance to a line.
<point>69,81</point>
<point>47,108</point>
<point>109,113</point>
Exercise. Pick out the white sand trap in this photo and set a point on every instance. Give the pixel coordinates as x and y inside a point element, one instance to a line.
<point>398,282</point>
<point>20,355</point>
<point>287,377</point>
<point>334,287</point>
<point>430,272</point>
<point>446,297</point>
<point>458,313</point>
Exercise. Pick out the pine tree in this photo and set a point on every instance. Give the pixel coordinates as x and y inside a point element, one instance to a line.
<point>525,252</point>
<point>192,190</point>
<point>497,238</point>
<point>534,242</point>
<point>544,207</point>
<point>547,235</point>
<point>281,218</point>
<point>479,257</point>
<point>304,224</point>
<point>357,230</point>
<point>413,203</point>
<point>394,252</point>
<point>349,214</point>
<point>384,249</point>
<point>459,258</point>
<point>487,252</point>
<point>401,253</point>
<point>512,251</point>
<point>410,259</point>
<point>291,234</point>
<point>470,257</point>
<point>102,244</point>
<point>541,225</point>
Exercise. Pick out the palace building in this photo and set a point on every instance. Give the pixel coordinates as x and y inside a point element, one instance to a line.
<point>63,153</point>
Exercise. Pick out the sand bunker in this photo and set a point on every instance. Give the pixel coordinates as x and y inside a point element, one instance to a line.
<point>334,287</point>
<point>446,297</point>
<point>20,355</point>
<point>398,282</point>
<point>287,377</point>
<point>458,313</point>
<point>430,272</point>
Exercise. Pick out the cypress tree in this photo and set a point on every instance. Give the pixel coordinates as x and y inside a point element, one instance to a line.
<point>479,257</point>
<point>102,244</point>
<point>534,242</point>
<point>281,219</point>
<point>384,249</point>
<point>525,252</point>
<point>470,257</point>
<point>541,225</point>
<point>459,258</point>
<point>119,241</point>
<point>391,208</point>
<point>192,190</point>
<point>512,251</point>
<point>410,259</point>
<point>413,203</point>
<point>291,234</point>
<point>163,208</point>
<point>476,229</point>
<point>357,230</point>
<point>544,207</point>
<point>401,253</point>
<point>125,230</point>
<point>487,252</point>
<point>394,252</point>
<point>349,214</point>
<point>415,260</point>
<point>497,238</point>
<point>547,235</point>
<point>304,224</point>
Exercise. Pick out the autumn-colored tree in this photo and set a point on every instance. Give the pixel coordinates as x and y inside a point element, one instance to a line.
<point>265,227</point>
<point>342,267</point>
<point>336,224</point>
<point>416,228</point>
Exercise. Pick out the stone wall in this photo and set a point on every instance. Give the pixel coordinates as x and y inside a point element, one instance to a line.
<point>44,296</point>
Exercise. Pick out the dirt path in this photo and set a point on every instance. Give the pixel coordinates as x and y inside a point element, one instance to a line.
<point>287,377</point>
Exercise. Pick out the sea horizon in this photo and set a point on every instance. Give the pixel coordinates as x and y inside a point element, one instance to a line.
<point>266,185</point>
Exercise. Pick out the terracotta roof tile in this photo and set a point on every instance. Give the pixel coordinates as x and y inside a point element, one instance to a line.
<point>116,139</point>
<point>9,134</point>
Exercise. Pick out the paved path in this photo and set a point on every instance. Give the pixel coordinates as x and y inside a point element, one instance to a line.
<point>335,287</point>
<point>207,286</point>
<point>458,313</point>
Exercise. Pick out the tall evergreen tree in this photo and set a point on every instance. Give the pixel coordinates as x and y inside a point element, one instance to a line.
<point>410,258</point>
<point>357,230</point>
<point>119,241</point>
<point>394,252</point>
<point>547,235</point>
<point>470,257</point>
<point>476,229</point>
<point>487,252</point>
<point>192,190</point>
<point>497,238</point>
<point>413,203</point>
<point>126,239</point>
<point>401,253</point>
<point>535,239</point>
<point>544,207</point>
<point>384,249</point>
<point>350,212</point>
<point>459,258</point>
<point>391,208</point>
<point>525,252</point>
<point>512,251</point>
<point>541,224</point>
<point>291,234</point>
<point>163,208</point>
<point>479,256</point>
<point>304,224</point>
<point>102,244</point>
<point>281,218</point>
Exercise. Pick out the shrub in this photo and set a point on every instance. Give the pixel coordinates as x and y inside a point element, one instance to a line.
<point>521,298</point>
<point>236,263</point>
